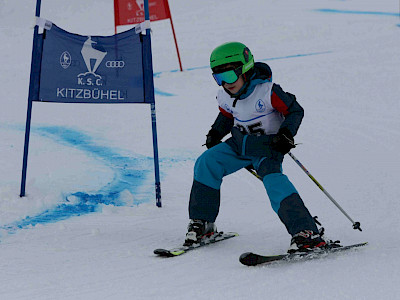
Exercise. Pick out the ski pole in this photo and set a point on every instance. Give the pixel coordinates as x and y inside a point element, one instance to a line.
<point>356,225</point>
<point>252,171</point>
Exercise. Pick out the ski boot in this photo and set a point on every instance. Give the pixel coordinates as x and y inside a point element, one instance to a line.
<point>306,240</point>
<point>197,230</point>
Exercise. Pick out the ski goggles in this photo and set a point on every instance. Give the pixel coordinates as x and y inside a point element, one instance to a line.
<point>228,76</point>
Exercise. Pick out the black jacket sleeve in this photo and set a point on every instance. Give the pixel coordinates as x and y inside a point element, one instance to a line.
<point>287,104</point>
<point>222,125</point>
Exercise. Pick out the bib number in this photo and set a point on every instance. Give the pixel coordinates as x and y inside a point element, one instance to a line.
<point>253,129</point>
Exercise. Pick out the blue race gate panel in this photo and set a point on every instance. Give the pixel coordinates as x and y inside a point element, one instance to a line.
<point>71,68</point>
<point>92,69</point>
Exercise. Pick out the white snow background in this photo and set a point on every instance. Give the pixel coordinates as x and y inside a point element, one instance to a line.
<point>88,225</point>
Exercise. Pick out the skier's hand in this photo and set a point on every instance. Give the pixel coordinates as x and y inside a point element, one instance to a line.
<point>283,141</point>
<point>213,138</point>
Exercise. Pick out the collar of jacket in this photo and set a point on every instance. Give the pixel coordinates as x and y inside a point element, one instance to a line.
<point>262,73</point>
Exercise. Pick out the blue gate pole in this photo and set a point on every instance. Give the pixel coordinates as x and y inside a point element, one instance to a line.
<point>30,98</point>
<point>149,92</point>
<point>155,150</point>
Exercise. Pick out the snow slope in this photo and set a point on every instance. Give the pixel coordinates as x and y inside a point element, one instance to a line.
<point>89,224</point>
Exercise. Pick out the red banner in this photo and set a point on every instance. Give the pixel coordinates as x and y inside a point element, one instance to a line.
<point>132,11</point>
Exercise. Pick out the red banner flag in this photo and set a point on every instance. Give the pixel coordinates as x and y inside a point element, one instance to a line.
<point>132,11</point>
<point>128,12</point>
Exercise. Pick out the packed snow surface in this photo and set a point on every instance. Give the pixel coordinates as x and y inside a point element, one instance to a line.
<point>88,225</point>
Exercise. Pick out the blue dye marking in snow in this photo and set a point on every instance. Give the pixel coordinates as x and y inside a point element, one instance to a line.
<point>129,174</point>
<point>198,68</point>
<point>161,93</point>
<point>158,74</point>
<point>357,12</point>
<point>166,94</point>
<point>296,55</point>
<point>59,213</point>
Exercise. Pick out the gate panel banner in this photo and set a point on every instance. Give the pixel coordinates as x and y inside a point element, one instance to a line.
<point>92,69</point>
<point>132,11</point>
<point>71,68</point>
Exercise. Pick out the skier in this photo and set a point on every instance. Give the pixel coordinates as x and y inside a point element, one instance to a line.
<point>262,119</point>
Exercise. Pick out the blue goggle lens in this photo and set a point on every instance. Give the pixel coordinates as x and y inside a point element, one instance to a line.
<point>229,76</point>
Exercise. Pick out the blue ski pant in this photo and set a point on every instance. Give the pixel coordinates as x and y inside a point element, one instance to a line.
<point>220,161</point>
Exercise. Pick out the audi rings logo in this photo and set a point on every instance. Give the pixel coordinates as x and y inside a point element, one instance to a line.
<point>115,64</point>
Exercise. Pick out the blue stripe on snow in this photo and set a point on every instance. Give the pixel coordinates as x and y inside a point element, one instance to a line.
<point>161,93</point>
<point>130,173</point>
<point>158,74</point>
<point>166,94</point>
<point>357,12</point>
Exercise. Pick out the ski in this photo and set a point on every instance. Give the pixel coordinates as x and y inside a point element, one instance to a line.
<point>252,259</point>
<point>217,237</point>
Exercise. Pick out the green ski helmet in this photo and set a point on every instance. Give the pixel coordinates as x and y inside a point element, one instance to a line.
<point>232,52</point>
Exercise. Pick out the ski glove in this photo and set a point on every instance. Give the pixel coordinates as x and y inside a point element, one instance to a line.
<point>283,141</point>
<point>213,138</point>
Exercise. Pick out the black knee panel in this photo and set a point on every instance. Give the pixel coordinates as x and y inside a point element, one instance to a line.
<point>204,202</point>
<point>295,215</point>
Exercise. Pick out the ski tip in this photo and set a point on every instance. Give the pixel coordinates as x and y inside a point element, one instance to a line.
<point>159,251</point>
<point>244,255</point>
<point>163,253</point>
<point>248,259</point>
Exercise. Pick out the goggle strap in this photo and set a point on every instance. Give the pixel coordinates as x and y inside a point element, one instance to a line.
<point>247,66</point>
